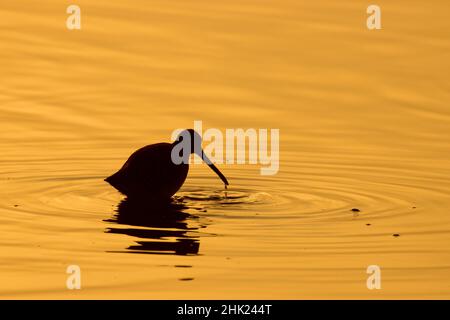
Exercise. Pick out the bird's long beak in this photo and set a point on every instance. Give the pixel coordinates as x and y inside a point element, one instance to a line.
<point>214,168</point>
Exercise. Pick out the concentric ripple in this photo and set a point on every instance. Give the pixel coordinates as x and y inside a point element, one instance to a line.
<point>298,194</point>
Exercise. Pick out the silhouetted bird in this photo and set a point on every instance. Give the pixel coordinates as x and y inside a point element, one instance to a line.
<point>159,170</point>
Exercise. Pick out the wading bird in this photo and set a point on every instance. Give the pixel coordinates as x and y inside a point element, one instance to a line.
<point>159,170</point>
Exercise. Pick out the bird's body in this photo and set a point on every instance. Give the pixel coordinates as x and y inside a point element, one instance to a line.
<point>151,173</point>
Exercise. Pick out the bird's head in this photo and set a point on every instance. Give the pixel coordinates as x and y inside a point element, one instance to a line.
<point>190,137</point>
<point>191,142</point>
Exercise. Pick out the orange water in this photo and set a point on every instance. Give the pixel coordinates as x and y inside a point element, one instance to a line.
<point>364,123</point>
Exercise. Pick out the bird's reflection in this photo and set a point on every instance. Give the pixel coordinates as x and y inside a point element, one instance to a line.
<point>162,228</point>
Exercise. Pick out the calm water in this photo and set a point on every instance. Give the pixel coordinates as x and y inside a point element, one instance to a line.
<point>364,122</point>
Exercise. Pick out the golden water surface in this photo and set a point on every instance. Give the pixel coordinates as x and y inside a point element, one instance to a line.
<point>364,121</point>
